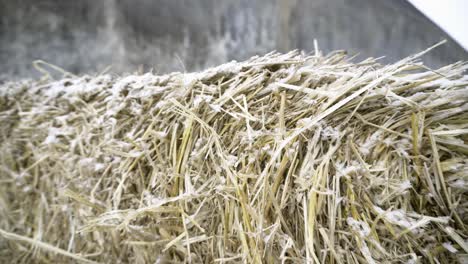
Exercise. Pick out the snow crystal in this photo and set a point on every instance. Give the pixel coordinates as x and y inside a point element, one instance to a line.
<point>388,141</point>
<point>53,133</point>
<point>397,217</point>
<point>413,259</point>
<point>201,98</point>
<point>85,162</point>
<point>50,139</point>
<point>231,160</point>
<point>190,79</point>
<point>160,134</point>
<point>359,226</point>
<point>99,167</point>
<point>309,101</point>
<point>405,186</point>
<point>331,133</point>
<point>216,107</point>
<point>449,247</point>
<point>135,153</point>
<point>460,183</point>
<point>304,121</point>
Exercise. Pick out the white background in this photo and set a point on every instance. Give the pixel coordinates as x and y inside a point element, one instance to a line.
<point>450,15</point>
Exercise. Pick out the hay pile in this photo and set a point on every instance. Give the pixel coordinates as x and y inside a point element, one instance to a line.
<point>283,158</point>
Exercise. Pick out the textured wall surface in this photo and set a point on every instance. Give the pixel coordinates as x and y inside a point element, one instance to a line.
<point>86,36</point>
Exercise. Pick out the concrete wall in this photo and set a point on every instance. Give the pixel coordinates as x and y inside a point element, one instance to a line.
<point>85,36</point>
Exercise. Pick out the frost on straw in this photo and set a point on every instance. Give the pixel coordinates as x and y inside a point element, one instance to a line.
<point>285,158</point>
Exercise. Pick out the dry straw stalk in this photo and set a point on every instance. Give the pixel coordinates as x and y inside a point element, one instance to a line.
<point>285,158</point>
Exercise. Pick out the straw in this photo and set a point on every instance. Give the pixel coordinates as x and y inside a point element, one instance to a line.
<point>283,158</point>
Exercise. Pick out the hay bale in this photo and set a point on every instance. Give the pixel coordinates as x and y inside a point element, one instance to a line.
<point>282,158</point>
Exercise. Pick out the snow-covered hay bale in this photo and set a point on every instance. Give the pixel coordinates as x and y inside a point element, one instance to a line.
<point>287,158</point>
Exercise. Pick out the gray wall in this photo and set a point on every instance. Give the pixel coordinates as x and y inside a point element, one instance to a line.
<point>85,36</point>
